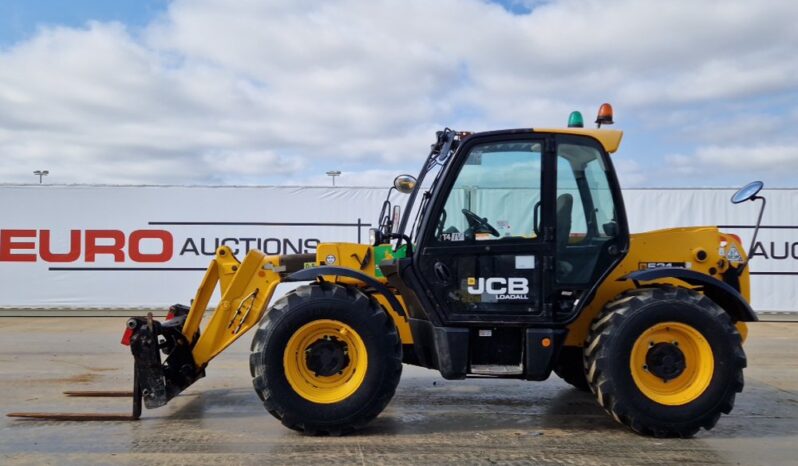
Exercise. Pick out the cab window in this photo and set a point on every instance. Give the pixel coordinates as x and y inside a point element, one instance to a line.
<point>586,217</point>
<point>495,194</point>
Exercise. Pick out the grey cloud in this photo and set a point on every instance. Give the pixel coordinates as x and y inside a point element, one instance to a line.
<point>273,91</point>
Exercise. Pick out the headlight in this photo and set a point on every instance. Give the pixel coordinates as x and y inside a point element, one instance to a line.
<point>374,236</point>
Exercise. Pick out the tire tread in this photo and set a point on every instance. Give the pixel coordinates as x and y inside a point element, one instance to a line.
<point>361,305</point>
<point>596,358</point>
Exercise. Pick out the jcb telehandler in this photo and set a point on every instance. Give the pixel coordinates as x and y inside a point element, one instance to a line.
<point>513,259</point>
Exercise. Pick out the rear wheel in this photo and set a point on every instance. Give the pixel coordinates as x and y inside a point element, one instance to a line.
<point>665,361</point>
<point>326,359</point>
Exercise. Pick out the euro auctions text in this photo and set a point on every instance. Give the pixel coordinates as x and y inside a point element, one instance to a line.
<point>137,246</point>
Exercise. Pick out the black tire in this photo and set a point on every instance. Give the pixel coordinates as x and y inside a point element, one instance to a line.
<point>609,348</point>
<point>316,302</point>
<point>571,367</point>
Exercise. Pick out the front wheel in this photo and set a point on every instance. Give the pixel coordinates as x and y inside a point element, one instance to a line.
<point>326,359</point>
<point>665,361</point>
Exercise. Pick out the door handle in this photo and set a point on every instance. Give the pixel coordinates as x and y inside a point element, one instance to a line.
<point>442,272</point>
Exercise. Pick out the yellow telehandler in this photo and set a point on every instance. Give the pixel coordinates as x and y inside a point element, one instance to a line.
<point>513,259</point>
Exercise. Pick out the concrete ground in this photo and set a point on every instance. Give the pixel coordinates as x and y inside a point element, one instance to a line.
<point>430,421</point>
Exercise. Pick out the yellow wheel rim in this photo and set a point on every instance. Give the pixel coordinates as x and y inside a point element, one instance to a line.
<point>672,339</point>
<point>321,387</point>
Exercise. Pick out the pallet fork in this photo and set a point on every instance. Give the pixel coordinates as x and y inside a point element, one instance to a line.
<point>135,394</point>
<point>139,332</point>
<point>246,288</point>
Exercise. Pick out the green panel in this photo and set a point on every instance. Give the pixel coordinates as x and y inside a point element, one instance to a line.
<point>385,251</point>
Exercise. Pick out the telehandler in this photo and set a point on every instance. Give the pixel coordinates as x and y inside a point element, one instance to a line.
<point>513,259</point>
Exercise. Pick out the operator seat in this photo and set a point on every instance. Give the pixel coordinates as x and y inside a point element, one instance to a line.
<point>565,206</point>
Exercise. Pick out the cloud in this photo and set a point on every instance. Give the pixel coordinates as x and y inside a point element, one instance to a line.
<point>737,128</point>
<point>374,178</point>
<point>272,92</point>
<point>752,157</point>
<point>246,164</point>
<point>630,173</point>
<point>738,162</point>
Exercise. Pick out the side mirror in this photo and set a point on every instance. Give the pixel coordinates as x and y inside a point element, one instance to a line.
<point>747,192</point>
<point>405,184</point>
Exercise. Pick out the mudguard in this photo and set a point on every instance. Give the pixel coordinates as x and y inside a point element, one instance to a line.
<point>329,270</point>
<point>722,293</point>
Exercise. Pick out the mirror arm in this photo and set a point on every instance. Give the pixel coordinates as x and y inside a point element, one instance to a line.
<point>756,231</point>
<point>386,208</point>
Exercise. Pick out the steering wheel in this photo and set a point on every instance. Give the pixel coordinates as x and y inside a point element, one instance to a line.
<point>477,224</point>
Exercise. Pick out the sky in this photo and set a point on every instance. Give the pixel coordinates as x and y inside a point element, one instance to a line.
<point>261,92</point>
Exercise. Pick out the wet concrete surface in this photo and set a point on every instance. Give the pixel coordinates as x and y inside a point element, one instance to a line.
<point>220,420</point>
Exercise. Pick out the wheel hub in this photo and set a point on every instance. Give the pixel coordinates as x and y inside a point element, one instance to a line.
<point>665,360</point>
<point>327,356</point>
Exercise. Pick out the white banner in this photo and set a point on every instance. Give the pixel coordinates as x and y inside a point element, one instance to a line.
<point>81,247</point>
<point>117,247</point>
<point>774,258</point>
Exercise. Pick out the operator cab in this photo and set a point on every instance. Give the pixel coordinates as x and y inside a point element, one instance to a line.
<point>522,225</point>
<point>510,239</point>
<point>517,225</point>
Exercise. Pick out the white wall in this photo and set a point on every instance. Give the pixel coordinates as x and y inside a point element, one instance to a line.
<point>280,220</point>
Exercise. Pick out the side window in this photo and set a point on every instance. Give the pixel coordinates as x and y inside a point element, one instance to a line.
<point>586,218</point>
<point>495,194</point>
<point>569,203</point>
<point>603,206</point>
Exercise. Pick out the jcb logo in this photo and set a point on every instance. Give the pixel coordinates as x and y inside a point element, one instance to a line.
<point>498,286</point>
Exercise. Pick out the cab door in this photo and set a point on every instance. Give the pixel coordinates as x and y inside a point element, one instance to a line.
<point>591,232</point>
<point>488,241</point>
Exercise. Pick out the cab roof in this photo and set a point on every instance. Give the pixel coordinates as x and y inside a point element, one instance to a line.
<point>610,139</point>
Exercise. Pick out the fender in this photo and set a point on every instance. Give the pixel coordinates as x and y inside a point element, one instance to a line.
<point>724,295</point>
<point>317,272</point>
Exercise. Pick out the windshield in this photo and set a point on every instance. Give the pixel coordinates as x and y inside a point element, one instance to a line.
<point>499,183</point>
<point>438,157</point>
<point>434,172</point>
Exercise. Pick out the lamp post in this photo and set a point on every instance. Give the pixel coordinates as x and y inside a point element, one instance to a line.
<point>41,174</point>
<point>333,174</point>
